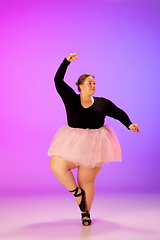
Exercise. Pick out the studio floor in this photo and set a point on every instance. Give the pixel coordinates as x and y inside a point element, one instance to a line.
<point>51,217</point>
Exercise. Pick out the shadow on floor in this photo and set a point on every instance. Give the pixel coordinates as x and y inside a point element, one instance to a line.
<point>69,228</point>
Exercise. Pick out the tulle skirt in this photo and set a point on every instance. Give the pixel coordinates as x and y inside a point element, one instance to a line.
<point>86,147</point>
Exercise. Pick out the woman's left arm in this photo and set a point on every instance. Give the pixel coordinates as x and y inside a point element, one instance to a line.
<point>119,114</point>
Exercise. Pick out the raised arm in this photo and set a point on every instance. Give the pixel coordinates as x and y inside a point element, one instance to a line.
<point>64,89</point>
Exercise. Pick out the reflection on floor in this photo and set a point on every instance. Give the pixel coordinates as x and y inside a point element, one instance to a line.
<point>52,217</point>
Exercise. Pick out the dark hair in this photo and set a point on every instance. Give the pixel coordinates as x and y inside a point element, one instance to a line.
<point>81,80</point>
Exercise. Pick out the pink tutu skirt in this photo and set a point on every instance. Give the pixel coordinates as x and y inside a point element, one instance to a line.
<point>86,147</point>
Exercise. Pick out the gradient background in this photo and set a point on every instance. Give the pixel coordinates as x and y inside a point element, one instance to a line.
<point>119,42</point>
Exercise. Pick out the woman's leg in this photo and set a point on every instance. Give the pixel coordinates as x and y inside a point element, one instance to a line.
<point>86,178</point>
<point>62,171</point>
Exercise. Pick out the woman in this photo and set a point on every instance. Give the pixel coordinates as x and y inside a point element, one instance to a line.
<point>85,142</point>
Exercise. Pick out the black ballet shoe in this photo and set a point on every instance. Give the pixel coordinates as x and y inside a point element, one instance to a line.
<point>86,222</point>
<point>81,205</point>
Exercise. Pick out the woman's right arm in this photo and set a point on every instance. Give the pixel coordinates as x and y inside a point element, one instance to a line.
<point>62,88</point>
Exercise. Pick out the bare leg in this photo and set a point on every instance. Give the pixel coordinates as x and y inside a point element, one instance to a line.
<point>86,178</point>
<point>62,171</point>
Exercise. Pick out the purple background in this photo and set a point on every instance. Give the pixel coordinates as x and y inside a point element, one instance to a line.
<point>118,42</point>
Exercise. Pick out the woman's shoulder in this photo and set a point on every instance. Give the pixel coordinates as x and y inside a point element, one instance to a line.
<point>102,99</point>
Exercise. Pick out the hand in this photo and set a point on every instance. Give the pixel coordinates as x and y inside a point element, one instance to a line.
<point>134,127</point>
<point>72,56</point>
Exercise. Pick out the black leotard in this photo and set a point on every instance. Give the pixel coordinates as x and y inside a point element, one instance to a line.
<point>92,117</point>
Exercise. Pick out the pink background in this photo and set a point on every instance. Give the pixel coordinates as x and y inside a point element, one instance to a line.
<point>119,43</point>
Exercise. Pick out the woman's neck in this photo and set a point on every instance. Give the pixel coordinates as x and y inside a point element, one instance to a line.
<point>86,97</point>
<point>86,100</point>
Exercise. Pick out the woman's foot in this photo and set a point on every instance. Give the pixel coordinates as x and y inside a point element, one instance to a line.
<point>79,194</point>
<point>86,220</point>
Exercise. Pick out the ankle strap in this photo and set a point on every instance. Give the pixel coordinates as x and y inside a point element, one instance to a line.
<point>86,214</point>
<point>75,194</point>
<point>75,190</point>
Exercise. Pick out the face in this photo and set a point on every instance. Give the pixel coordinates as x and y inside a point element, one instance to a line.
<point>88,86</point>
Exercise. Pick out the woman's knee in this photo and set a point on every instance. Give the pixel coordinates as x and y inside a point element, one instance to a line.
<point>54,164</point>
<point>59,165</point>
<point>87,175</point>
<point>88,180</point>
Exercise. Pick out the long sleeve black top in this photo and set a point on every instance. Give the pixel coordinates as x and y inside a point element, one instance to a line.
<point>92,117</point>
